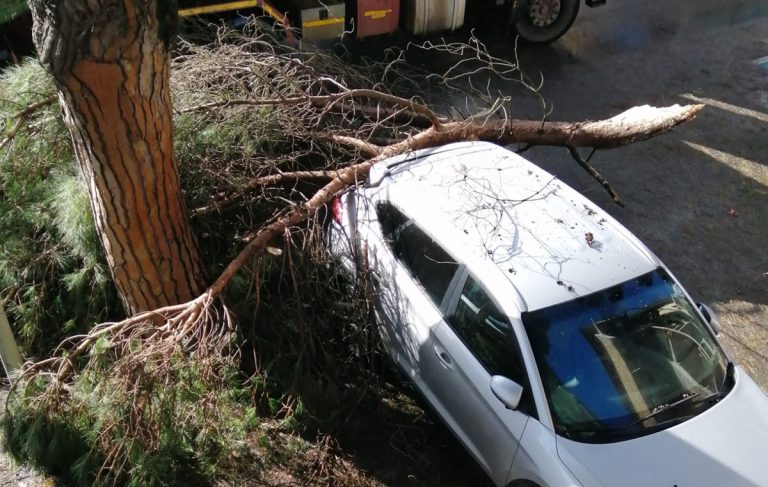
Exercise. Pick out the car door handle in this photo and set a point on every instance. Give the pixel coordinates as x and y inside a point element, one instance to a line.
<point>443,357</point>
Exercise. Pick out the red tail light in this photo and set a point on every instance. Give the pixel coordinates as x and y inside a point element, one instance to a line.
<point>337,209</point>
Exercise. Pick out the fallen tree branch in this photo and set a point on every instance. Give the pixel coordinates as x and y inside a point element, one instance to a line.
<point>328,101</point>
<point>366,148</point>
<point>631,126</point>
<point>634,125</point>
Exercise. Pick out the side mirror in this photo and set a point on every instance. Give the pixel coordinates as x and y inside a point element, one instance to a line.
<point>507,391</point>
<point>711,318</point>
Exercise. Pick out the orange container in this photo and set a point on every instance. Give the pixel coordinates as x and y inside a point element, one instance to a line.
<point>376,17</point>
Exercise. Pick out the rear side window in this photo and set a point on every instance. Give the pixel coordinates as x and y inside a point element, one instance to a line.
<point>390,219</point>
<point>432,267</point>
<point>428,263</point>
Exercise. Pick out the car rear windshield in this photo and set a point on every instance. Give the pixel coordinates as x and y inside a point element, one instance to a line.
<point>626,361</point>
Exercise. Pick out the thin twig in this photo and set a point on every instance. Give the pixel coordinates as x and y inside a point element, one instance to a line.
<point>327,102</point>
<point>596,175</point>
<point>270,180</point>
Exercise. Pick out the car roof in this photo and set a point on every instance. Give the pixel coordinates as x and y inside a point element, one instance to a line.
<point>499,213</point>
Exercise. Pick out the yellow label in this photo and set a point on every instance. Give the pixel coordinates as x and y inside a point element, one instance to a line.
<point>320,23</point>
<point>219,7</point>
<point>377,14</point>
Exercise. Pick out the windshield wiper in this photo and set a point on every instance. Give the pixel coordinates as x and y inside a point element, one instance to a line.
<point>618,432</point>
<point>711,398</point>
<point>724,388</point>
<point>664,407</point>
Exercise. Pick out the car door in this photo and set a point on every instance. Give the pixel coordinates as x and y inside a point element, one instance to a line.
<point>409,275</point>
<point>381,272</point>
<point>474,343</point>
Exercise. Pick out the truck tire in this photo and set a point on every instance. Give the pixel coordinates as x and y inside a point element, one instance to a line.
<point>543,21</point>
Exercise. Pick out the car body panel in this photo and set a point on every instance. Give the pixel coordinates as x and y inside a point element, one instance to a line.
<point>461,385</point>
<point>499,207</point>
<point>537,460</point>
<point>406,315</point>
<point>724,445</point>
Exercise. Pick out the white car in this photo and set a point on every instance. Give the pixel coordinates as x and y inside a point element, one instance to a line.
<point>556,346</point>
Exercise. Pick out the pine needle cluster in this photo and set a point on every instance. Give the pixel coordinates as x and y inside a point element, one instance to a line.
<point>53,278</point>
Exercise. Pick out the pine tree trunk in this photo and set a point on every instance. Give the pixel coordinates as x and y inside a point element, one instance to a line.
<point>111,60</point>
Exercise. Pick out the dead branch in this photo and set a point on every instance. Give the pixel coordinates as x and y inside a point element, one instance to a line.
<point>634,125</point>
<point>596,175</point>
<point>329,101</point>
<point>270,180</point>
<point>613,132</point>
<point>22,116</point>
<point>292,177</point>
<point>366,148</point>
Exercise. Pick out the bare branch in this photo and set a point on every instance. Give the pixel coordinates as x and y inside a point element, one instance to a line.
<point>328,101</point>
<point>366,148</point>
<point>634,125</point>
<point>270,180</point>
<point>613,132</point>
<point>596,174</point>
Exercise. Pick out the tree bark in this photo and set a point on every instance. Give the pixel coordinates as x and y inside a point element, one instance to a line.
<point>110,60</point>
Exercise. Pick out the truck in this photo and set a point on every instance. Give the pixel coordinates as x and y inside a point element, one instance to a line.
<point>535,21</point>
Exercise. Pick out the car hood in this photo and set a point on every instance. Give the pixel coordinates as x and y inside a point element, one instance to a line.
<point>724,445</point>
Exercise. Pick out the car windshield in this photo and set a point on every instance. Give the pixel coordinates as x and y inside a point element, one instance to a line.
<point>626,361</point>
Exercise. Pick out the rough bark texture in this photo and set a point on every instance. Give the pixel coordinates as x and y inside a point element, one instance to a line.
<point>110,60</point>
<point>634,125</point>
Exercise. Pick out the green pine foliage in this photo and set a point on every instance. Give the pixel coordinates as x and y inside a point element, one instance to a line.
<point>74,439</point>
<point>53,278</point>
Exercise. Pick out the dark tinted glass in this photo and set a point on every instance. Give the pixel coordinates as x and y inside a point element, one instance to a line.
<point>429,264</point>
<point>486,332</point>
<point>432,267</point>
<point>390,218</point>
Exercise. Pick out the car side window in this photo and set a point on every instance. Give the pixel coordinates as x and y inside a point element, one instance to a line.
<point>486,332</point>
<point>428,263</point>
<point>390,219</point>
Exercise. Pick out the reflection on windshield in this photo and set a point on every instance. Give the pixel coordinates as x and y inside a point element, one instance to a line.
<point>625,361</point>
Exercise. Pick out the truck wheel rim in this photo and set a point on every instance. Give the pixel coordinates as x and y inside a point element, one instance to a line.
<point>544,12</point>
